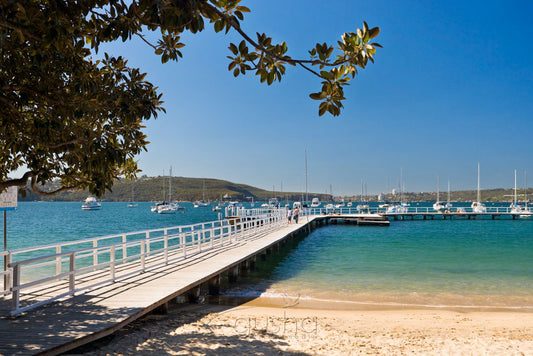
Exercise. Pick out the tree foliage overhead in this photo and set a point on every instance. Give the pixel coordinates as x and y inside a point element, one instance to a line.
<point>65,115</point>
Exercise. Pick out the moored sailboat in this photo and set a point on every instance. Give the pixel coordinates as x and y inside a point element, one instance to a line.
<point>477,206</point>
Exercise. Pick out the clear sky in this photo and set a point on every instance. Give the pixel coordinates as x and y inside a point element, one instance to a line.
<point>453,86</point>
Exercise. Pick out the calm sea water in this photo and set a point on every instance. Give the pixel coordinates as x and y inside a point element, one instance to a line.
<point>437,263</point>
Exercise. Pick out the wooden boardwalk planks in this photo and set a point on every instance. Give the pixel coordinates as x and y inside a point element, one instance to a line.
<point>69,323</point>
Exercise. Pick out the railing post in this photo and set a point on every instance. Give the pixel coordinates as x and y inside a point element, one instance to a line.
<point>95,254</point>
<point>142,255</point>
<point>58,260</point>
<point>147,243</point>
<point>166,247</point>
<point>71,276</point>
<point>183,241</point>
<point>8,278</point>
<point>124,248</point>
<point>200,239</point>
<point>16,285</point>
<point>112,260</point>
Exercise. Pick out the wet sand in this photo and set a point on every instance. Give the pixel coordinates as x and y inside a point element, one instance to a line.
<point>256,328</point>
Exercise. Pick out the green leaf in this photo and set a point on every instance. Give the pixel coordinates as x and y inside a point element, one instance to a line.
<point>219,25</point>
<point>322,108</point>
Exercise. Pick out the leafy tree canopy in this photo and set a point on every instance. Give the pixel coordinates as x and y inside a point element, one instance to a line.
<point>65,115</point>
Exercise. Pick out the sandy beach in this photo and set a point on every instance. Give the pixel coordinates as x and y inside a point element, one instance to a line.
<point>253,328</point>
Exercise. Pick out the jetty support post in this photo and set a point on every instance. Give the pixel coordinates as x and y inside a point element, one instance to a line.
<point>233,274</point>
<point>213,285</point>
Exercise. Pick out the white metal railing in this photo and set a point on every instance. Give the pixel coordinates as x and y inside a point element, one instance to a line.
<point>72,267</point>
<point>5,275</point>
<point>409,210</point>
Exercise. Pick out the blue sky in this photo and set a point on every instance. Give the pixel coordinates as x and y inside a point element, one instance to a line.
<point>453,86</point>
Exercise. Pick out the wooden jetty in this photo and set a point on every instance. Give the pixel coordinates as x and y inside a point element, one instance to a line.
<point>60,325</point>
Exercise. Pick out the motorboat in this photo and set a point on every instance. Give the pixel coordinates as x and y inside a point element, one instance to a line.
<point>397,209</point>
<point>91,204</point>
<point>315,203</point>
<point>273,203</point>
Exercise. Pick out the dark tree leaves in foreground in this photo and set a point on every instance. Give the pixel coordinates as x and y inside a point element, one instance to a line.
<point>66,116</point>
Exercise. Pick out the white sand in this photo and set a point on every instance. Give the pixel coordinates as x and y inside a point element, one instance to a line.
<point>250,329</point>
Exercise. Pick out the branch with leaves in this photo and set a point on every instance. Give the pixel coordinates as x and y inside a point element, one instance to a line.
<point>65,116</point>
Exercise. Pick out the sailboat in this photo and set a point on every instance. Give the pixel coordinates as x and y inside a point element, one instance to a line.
<point>477,206</point>
<point>202,203</point>
<point>448,203</point>
<point>362,207</point>
<point>168,207</point>
<point>438,206</point>
<point>522,210</point>
<point>131,204</point>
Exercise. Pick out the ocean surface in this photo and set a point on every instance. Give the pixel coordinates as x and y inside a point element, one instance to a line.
<point>458,263</point>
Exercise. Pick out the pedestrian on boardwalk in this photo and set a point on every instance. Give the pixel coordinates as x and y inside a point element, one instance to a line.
<point>295,215</point>
<point>289,215</point>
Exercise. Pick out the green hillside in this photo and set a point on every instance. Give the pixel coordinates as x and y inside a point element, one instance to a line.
<point>183,189</point>
<point>191,189</point>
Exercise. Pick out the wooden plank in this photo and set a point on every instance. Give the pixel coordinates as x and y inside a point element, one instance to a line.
<point>74,321</point>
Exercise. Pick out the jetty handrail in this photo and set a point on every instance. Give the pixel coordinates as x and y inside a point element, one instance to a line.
<point>410,210</point>
<point>109,262</point>
<point>5,275</point>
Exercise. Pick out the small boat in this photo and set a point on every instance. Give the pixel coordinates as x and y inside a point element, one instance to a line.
<point>91,204</point>
<point>315,203</point>
<point>201,204</point>
<point>273,203</point>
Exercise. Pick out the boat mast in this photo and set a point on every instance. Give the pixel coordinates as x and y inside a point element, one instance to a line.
<point>170,185</point>
<point>438,193</point>
<point>525,189</point>
<point>478,192</point>
<point>515,190</point>
<point>448,192</point>
<point>306,192</point>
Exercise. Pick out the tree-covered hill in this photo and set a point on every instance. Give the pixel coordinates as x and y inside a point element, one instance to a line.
<point>183,189</point>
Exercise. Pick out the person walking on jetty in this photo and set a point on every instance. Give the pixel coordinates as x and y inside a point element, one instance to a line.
<point>289,215</point>
<point>295,215</point>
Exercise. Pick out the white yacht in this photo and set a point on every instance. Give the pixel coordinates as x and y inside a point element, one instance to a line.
<point>167,207</point>
<point>202,203</point>
<point>273,203</point>
<point>522,210</point>
<point>91,204</point>
<point>315,203</point>
<point>438,206</point>
<point>477,206</point>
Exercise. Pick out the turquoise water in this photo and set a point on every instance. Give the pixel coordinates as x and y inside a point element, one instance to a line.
<point>41,223</point>
<point>424,262</point>
<point>460,262</point>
